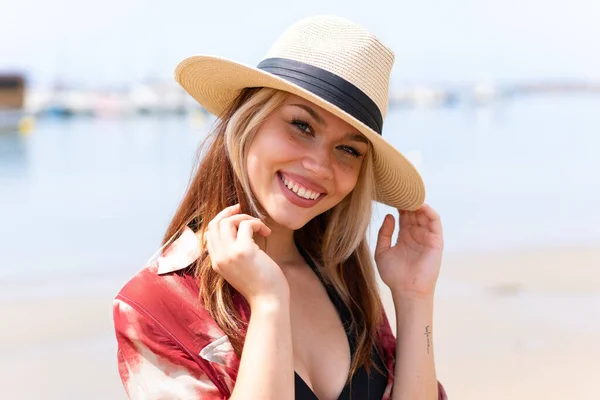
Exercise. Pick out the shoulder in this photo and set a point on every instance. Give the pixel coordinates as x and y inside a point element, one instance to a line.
<point>158,355</point>
<point>166,304</point>
<point>166,286</point>
<point>165,293</point>
<point>148,291</point>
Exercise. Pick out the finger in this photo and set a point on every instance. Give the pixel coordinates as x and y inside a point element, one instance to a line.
<point>420,235</point>
<point>422,219</point>
<point>262,228</point>
<point>404,224</point>
<point>213,239</point>
<point>213,233</point>
<point>412,218</point>
<point>435,222</point>
<point>229,226</point>
<point>384,237</point>
<point>429,211</point>
<point>226,212</point>
<point>404,218</point>
<point>247,228</point>
<point>212,255</point>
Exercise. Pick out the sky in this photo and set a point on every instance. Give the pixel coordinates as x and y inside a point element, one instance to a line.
<point>117,42</point>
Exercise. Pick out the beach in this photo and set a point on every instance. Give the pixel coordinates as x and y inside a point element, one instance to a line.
<point>519,325</point>
<point>508,325</point>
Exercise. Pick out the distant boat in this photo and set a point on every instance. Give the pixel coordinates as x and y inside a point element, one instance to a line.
<point>12,100</point>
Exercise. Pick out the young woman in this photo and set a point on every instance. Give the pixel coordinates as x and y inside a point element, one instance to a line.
<point>266,287</point>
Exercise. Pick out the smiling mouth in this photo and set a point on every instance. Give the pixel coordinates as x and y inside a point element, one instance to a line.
<point>299,190</point>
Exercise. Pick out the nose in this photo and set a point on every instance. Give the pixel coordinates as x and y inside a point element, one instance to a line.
<point>319,162</point>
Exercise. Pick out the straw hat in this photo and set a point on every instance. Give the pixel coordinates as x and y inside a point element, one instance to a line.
<point>333,63</point>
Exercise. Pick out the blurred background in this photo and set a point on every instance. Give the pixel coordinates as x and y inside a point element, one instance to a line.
<point>496,102</point>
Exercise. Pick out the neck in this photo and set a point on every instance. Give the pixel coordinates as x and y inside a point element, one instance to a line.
<point>280,246</point>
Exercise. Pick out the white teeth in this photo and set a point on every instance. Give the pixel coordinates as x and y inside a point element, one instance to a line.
<point>300,190</point>
<point>310,195</point>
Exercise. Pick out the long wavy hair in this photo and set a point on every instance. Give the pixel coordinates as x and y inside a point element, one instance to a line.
<point>335,240</point>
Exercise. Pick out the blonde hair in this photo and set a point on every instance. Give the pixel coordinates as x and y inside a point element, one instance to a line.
<point>335,240</point>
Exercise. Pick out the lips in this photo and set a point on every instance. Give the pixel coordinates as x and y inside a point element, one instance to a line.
<point>299,191</point>
<point>302,181</point>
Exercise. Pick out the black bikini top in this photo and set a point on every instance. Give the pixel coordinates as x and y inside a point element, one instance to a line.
<point>362,386</point>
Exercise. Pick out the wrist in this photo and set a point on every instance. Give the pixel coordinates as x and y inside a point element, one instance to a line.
<point>269,304</point>
<point>411,307</point>
<point>412,298</point>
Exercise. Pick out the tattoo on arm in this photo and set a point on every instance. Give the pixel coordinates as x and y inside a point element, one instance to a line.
<point>427,334</point>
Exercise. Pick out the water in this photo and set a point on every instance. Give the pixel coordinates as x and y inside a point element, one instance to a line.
<point>90,199</point>
<point>520,174</point>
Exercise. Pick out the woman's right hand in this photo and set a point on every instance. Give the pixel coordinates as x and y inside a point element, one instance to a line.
<point>238,259</point>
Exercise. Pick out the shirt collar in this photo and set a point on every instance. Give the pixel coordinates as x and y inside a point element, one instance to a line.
<point>179,254</point>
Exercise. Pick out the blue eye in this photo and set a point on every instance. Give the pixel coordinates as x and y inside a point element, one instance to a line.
<point>351,150</point>
<point>302,126</point>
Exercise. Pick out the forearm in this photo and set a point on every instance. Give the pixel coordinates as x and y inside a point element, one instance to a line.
<point>415,376</point>
<point>267,363</point>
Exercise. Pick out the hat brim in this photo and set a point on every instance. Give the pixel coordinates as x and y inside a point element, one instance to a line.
<point>215,82</point>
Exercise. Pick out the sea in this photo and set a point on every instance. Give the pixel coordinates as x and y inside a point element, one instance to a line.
<point>88,199</point>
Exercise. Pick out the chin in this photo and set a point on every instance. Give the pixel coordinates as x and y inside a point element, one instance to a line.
<point>288,217</point>
<point>292,222</point>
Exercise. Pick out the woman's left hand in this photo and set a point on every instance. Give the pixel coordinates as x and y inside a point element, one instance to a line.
<point>410,268</point>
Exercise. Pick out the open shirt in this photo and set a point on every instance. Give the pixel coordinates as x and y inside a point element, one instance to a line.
<point>169,347</point>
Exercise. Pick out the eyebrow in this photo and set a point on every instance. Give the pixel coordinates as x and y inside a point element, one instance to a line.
<point>312,113</point>
<point>357,137</point>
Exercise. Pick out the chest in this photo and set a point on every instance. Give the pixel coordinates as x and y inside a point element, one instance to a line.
<point>320,343</point>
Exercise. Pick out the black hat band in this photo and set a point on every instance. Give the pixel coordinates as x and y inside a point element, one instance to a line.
<point>329,86</point>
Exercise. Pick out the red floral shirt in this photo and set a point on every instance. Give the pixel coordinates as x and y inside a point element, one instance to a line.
<point>168,345</point>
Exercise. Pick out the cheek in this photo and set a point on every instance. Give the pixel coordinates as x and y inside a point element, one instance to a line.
<point>280,149</point>
<point>252,166</point>
<point>252,172</point>
<point>257,162</point>
<point>266,155</point>
<point>349,185</point>
<point>348,178</point>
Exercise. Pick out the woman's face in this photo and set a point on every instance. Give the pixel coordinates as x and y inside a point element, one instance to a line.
<point>303,161</point>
